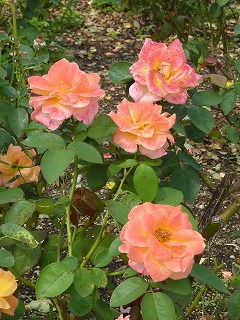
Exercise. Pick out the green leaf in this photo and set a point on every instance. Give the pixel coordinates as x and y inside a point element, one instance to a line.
<point>25,259</point>
<point>71,262</point>
<point>128,291</point>
<point>102,127</point>
<point>85,151</point>
<point>119,72</point>
<point>206,98</point>
<point>105,257</point>
<point>10,195</point>
<point>201,118</point>
<point>53,280</point>
<point>10,92</point>
<point>189,160</point>
<point>54,162</point>
<point>5,139</point>
<point>4,37</point>
<point>99,277</point>
<point>118,211</point>
<point>18,120</point>
<point>20,212</point>
<point>83,282</point>
<point>182,286</point>
<point>80,306</point>
<point>205,275</point>
<point>233,134</point>
<point>237,64</point>
<point>237,30</point>
<point>218,80</point>
<point>145,182</point>
<point>6,259</point>
<point>14,231</point>
<point>194,133</point>
<point>157,306</point>
<point>222,2</point>
<point>233,306</point>
<point>229,101</point>
<point>116,166</point>
<point>169,196</point>
<point>186,179</point>
<point>45,141</point>
<point>97,177</point>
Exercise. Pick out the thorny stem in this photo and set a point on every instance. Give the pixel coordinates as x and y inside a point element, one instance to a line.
<point>224,217</point>
<point>104,222</point>
<point>55,302</point>
<point>68,207</point>
<point>15,36</point>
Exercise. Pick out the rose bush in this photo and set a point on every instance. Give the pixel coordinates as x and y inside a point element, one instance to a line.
<point>116,189</point>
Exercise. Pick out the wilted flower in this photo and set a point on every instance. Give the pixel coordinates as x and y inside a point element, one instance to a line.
<point>8,285</point>
<point>64,92</point>
<point>162,72</point>
<point>143,125</point>
<point>11,175</point>
<point>159,241</point>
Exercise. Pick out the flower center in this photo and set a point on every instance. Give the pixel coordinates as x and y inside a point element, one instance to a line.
<point>164,69</point>
<point>162,235</point>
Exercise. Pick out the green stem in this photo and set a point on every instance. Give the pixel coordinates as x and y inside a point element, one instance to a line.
<point>100,236</point>
<point>58,308</point>
<point>21,279</point>
<point>116,273</point>
<point>16,42</point>
<point>224,217</point>
<point>15,166</point>
<point>68,207</point>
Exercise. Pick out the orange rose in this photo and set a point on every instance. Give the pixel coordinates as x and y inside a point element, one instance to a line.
<point>8,285</point>
<point>143,125</point>
<point>16,157</point>
<point>159,241</point>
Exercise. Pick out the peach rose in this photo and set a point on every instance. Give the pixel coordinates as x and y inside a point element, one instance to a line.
<point>227,274</point>
<point>143,125</point>
<point>8,285</point>
<point>159,241</point>
<point>121,317</point>
<point>64,92</point>
<point>162,72</point>
<point>16,157</point>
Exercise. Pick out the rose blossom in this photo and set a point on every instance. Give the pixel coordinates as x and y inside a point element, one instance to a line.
<point>227,274</point>
<point>16,157</point>
<point>64,92</point>
<point>8,285</point>
<point>162,72</point>
<point>143,125</point>
<point>159,241</point>
<point>121,317</point>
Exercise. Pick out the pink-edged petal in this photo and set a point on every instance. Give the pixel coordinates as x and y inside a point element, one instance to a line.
<point>138,211</point>
<point>57,110</point>
<point>140,93</point>
<point>179,98</point>
<point>39,85</point>
<point>88,113</point>
<point>139,267</point>
<point>46,119</point>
